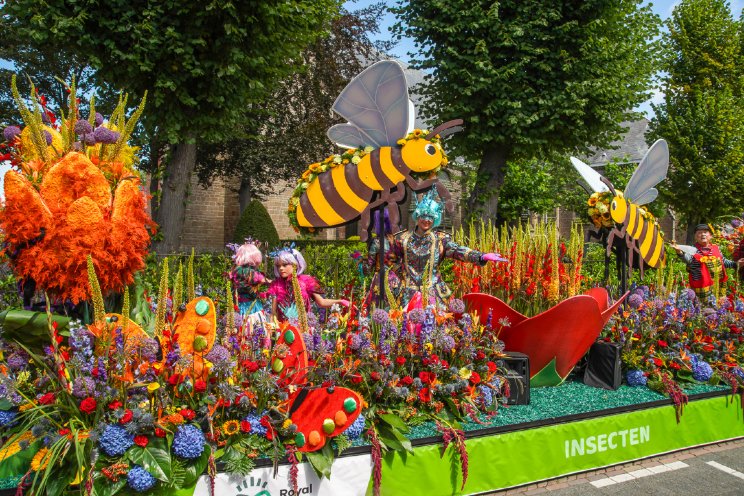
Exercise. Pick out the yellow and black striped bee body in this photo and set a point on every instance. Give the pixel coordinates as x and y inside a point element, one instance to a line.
<point>644,235</point>
<point>639,230</point>
<point>380,122</point>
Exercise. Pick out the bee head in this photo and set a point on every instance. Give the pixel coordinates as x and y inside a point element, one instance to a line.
<point>619,208</point>
<point>421,155</point>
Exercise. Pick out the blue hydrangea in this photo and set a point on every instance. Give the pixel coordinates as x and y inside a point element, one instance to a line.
<point>115,440</point>
<point>188,442</point>
<point>140,479</point>
<point>486,395</point>
<point>354,431</point>
<point>636,378</point>
<point>701,371</point>
<point>256,427</point>
<point>7,416</point>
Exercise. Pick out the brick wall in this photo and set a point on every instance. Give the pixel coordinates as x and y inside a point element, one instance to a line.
<point>204,225</point>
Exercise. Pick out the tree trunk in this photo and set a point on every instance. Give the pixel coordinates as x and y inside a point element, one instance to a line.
<point>692,222</point>
<point>245,194</point>
<point>484,199</point>
<point>171,212</point>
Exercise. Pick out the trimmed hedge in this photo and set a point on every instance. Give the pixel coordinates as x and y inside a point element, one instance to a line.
<point>256,222</point>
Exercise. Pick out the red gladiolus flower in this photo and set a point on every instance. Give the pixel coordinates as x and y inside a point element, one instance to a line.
<point>141,440</point>
<point>662,343</point>
<point>127,417</point>
<point>658,362</point>
<point>400,360</point>
<point>175,379</point>
<point>187,413</point>
<point>47,399</point>
<point>64,432</point>
<point>88,405</point>
<point>708,347</point>
<point>425,395</point>
<point>160,432</point>
<point>114,405</point>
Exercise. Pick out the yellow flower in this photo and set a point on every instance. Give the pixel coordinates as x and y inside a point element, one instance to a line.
<point>11,449</point>
<point>40,460</point>
<point>429,347</point>
<point>465,373</point>
<point>356,159</point>
<point>26,406</point>
<point>230,427</point>
<point>287,423</point>
<point>153,386</point>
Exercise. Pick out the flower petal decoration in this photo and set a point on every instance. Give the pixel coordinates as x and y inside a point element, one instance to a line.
<point>196,330</point>
<point>554,340</point>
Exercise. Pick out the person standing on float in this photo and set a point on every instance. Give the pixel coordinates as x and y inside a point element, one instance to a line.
<point>423,249</point>
<point>706,263</point>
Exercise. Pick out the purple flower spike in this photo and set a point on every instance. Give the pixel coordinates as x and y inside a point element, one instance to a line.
<point>83,127</point>
<point>105,135</point>
<point>99,119</point>
<point>48,137</point>
<point>11,133</point>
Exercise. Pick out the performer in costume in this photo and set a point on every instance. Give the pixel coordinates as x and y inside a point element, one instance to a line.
<point>424,248</point>
<point>391,263</point>
<point>706,264</point>
<point>247,277</point>
<point>288,261</point>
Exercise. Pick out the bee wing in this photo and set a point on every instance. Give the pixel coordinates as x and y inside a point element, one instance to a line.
<point>322,413</point>
<point>346,136</point>
<point>650,172</point>
<point>376,103</point>
<point>647,197</point>
<point>589,175</point>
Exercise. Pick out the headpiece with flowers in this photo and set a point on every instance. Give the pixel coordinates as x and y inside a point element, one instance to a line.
<point>73,193</point>
<point>429,206</point>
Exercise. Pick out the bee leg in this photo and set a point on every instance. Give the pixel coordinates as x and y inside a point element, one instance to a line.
<point>445,195</point>
<point>364,224</point>
<point>393,211</point>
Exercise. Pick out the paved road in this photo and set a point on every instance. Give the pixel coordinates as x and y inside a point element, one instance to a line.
<point>716,469</point>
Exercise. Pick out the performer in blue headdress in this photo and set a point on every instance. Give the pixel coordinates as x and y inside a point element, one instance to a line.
<point>424,248</point>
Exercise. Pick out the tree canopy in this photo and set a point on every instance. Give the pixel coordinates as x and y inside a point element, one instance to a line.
<point>702,116</point>
<point>203,65</point>
<point>530,77</point>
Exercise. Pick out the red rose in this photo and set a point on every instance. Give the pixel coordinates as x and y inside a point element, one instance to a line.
<point>114,405</point>
<point>434,359</point>
<point>491,367</point>
<point>88,405</point>
<point>141,440</point>
<point>245,426</point>
<point>475,378</point>
<point>708,347</point>
<point>188,414</point>
<point>425,395</point>
<point>250,366</point>
<point>480,355</point>
<point>375,376</point>
<point>356,378</point>
<point>407,380</point>
<point>662,343</point>
<point>400,360</point>
<point>46,399</point>
<point>64,432</point>
<point>445,364</point>
<point>127,417</point>
<point>175,379</point>
<point>160,432</point>
<point>674,365</point>
<point>200,386</point>
<point>658,362</point>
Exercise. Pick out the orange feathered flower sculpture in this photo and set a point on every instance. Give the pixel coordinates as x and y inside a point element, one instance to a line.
<point>74,193</point>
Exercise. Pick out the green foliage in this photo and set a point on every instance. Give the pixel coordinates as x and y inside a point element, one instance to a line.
<point>332,264</point>
<point>529,185</point>
<point>256,222</point>
<point>702,116</point>
<point>530,77</point>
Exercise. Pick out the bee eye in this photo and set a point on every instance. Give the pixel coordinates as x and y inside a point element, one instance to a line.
<point>614,205</point>
<point>430,149</point>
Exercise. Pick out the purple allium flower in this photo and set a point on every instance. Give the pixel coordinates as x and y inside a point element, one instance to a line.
<point>380,316</point>
<point>88,139</point>
<point>188,442</point>
<point>48,137</point>
<point>736,223</point>
<point>312,320</point>
<point>83,387</point>
<point>140,479</point>
<point>255,421</point>
<point>218,355</point>
<point>11,132</point>
<point>357,342</point>
<point>83,127</point>
<point>457,306</point>
<point>105,135</point>
<point>635,300</point>
<point>416,315</point>
<point>355,430</point>
<point>115,440</point>
<point>688,294</point>
<point>636,378</point>
<point>7,416</point>
<point>18,361</point>
<point>98,119</point>
<point>447,343</point>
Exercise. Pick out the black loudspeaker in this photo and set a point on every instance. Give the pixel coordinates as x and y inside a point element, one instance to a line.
<point>518,376</point>
<point>603,368</point>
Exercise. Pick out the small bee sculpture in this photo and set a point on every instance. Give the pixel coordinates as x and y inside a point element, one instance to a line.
<point>386,152</point>
<point>632,223</point>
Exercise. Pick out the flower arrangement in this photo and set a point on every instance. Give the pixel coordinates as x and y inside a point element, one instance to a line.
<point>73,192</point>
<point>114,409</point>
<point>542,269</point>
<point>599,209</point>
<point>671,338</point>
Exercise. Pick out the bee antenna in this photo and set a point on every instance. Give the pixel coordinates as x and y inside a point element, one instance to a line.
<point>609,185</point>
<point>449,125</point>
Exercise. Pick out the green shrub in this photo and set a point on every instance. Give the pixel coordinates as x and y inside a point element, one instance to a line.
<point>256,223</point>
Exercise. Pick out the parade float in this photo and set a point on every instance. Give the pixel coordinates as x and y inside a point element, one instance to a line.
<point>189,397</point>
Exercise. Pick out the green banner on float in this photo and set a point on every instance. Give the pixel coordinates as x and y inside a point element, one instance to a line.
<point>520,457</point>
